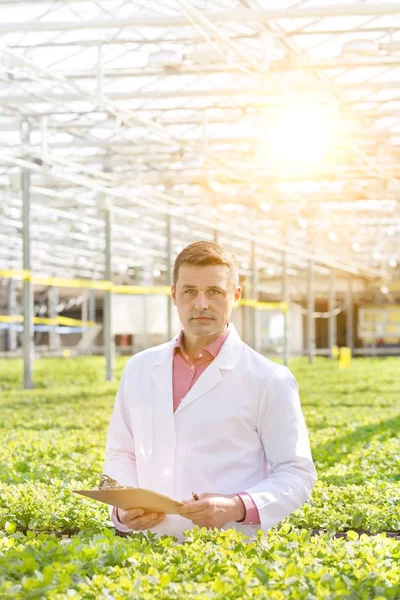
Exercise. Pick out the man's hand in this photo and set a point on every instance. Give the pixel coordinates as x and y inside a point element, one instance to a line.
<point>213,510</point>
<point>137,518</point>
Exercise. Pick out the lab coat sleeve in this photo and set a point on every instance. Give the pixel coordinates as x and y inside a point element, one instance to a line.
<point>284,437</point>
<point>120,460</point>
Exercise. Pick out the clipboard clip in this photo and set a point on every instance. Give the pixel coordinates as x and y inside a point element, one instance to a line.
<point>107,482</point>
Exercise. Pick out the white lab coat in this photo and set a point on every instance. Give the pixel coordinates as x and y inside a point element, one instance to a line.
<point>239,428</point>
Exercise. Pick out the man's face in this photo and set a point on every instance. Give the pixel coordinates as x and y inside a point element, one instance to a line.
<point>204,297</point>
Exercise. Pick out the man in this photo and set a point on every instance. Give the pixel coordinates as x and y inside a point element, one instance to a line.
<point>206,413</point>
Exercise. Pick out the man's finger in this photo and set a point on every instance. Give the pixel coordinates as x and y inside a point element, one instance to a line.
<point>201,524</point>
<point>147,518</point>
<point>192,509</point>
<point>145,522</point>
<point>193,515</point>
<point>131,513</point>
<point>151,524</point>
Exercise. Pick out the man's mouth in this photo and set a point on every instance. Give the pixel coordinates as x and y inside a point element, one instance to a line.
<point>202,318</point>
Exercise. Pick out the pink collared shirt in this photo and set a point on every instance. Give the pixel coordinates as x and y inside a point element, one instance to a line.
<point>184,375</point>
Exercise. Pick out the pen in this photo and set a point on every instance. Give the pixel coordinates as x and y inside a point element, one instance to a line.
<point>195,496</point>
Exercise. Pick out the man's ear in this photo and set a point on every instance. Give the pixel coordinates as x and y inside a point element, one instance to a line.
<point>173,293</point>
<point>238,295</point>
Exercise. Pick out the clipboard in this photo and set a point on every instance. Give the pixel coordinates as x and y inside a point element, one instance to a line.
<point>126,497</point>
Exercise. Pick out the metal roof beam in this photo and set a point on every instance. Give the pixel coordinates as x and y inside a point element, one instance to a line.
<point>316,86</point>
<point>163,207</point>
<point>239,16</point>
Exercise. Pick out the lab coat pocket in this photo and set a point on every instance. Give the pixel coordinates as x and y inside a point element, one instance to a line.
<point>142,427</point>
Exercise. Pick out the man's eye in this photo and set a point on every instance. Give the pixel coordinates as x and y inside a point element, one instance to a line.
<point>188,291</point>
<point>214,292</point>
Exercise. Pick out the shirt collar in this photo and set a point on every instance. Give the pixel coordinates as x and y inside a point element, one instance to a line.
<point>213,347</point>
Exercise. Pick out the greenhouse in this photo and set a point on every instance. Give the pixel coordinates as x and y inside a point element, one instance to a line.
<point>199,299</point>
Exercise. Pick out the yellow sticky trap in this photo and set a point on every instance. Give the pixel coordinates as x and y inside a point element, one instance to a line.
<point>335,351</point>
<point>344,357</point>
<point>66,353</point>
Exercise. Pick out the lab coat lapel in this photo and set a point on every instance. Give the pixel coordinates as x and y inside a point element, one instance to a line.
<point>162,377</point>
<point>207,380</point>
<point>226,359</point>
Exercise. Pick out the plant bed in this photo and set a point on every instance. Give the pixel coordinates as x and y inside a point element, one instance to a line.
<point>343,543</point>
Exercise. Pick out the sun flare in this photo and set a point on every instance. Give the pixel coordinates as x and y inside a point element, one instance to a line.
<point>303,137</point>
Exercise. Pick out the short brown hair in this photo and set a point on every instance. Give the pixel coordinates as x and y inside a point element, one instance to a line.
<point>206,253</point>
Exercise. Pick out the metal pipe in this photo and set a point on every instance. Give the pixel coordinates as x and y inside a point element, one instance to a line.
<point>285,298</point>
<point>108,333</point>
<point>27,294</point>
<point>310,313</point>
<point>332,317</point>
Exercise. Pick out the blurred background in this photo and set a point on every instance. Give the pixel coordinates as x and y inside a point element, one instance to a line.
<point>130,129</point>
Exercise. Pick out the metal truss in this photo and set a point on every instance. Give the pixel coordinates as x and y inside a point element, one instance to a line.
<point>163,109</point>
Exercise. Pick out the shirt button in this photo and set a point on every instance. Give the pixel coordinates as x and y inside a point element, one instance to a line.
<point>191,368</point>
<point>200,356</point>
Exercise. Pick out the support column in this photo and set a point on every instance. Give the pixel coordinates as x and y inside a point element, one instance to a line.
<point>4,311</point>
<point>27,294</point>
<point>310,311</point>
<point>245,310</point>
<point>107,308</point>
<point>54,337</point>
<point>84,312</point>
<point>349,314</point>
<point>12,310</point>
<point>84,308</point>
<point>375,302</point>
<point>285,298</point>
<point>146,337</point>
<point>253,313</point>
<point>332,341</point>
<point>205,169</point>
<point>92,305</point>
<point>169,275</point>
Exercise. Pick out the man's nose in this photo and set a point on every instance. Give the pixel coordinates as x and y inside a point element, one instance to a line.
<point>201,301</point>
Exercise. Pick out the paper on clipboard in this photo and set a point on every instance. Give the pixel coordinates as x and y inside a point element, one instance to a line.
<point>125,498</point>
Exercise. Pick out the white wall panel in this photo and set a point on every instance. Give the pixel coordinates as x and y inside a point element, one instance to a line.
<point>142,314</point>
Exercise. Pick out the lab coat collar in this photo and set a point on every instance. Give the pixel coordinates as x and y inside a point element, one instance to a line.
<point>226,360</point>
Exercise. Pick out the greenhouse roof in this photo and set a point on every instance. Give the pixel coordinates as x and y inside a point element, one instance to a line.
<point>267,121</point>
